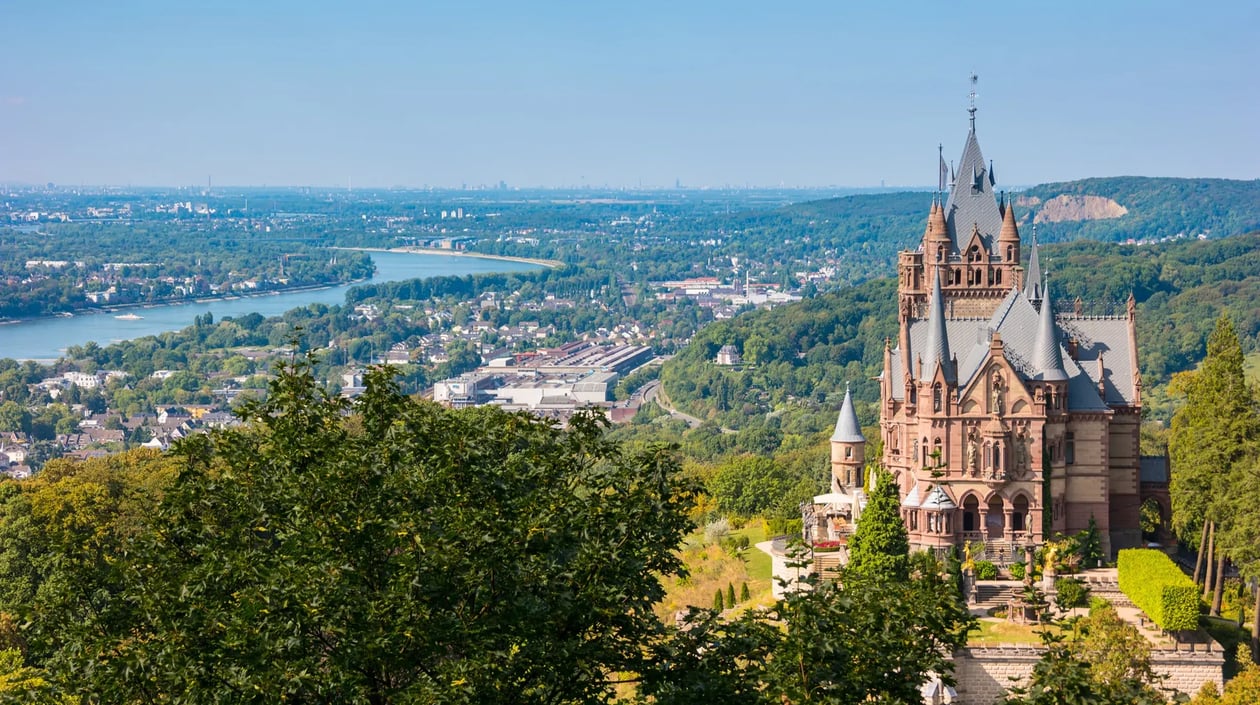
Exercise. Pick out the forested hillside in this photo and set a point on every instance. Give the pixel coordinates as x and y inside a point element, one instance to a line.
<point>1157,208</point>
<point>799,357</point>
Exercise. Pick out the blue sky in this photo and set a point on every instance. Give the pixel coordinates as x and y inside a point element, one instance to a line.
<point>573,93</point>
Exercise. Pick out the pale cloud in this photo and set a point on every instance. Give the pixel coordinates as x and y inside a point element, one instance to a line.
<point>14,101</point>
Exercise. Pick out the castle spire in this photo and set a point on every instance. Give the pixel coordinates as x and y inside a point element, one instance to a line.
<point>1010,231</point>
<point>847,428</point>
<point>1032,278</point>
<point>937,340</point>
<point>1047,357</point>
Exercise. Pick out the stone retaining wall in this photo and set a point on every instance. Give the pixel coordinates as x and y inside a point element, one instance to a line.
<point>984,674</point>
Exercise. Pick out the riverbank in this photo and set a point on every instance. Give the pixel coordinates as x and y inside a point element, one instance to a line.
<point>549,263</point>
<point>140,305</point>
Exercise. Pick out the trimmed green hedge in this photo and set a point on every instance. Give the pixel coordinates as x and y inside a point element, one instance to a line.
<point>1158,587</point>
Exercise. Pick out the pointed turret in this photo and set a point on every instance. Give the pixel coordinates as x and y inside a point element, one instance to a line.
<point>1010,231</point>
<point>847,428</point>
<point>937,349</point>
<point>848,449</point>
<point>1032,277</point>
<point>1047,356</point>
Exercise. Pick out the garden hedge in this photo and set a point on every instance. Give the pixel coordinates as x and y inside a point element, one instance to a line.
<point>1159,588</point>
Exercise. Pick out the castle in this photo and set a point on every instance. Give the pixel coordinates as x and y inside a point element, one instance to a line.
<point>1004,417</point>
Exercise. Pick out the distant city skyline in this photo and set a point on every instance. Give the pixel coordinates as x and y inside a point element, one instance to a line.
<point>650,94</point>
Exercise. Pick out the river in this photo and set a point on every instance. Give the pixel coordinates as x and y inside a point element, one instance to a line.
<point>46,339</point>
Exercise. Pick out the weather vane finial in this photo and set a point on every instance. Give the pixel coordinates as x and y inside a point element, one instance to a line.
<point>974,79</point>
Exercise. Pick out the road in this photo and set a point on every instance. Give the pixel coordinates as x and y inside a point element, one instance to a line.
<point>652,393</point>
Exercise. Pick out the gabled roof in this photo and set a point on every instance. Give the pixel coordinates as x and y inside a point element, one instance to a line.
<point>972,203</point>
<point>847,428</point>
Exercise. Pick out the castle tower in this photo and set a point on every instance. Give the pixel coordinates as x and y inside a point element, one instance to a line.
<point>1002,420</point>
<point>848,450</point>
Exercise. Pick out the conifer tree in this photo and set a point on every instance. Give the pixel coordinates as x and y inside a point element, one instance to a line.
<point>718,603</point>
<point>743,593</point>
<point>1212,432</point>
<point>879,549</point>
<point>730,595</point>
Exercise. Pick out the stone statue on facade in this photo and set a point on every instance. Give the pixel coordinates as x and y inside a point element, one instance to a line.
<point>973,450</point>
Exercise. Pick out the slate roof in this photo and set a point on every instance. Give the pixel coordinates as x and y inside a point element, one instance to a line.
<point>1032,277</point>
<point>847,428</point>
<point>936,351</point>
<point>1017,320</point>
<point>972,203</point>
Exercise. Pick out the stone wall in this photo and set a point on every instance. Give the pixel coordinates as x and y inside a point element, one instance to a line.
<point>984,674</point>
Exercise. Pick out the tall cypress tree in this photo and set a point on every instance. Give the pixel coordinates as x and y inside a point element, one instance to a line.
<point>879,549</point>
<point>1212,432</point>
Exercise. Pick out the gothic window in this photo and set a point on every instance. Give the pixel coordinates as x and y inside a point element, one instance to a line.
<point>1069,448</point>
<point>998,276</point>
<point>848,452</point>
<point>1010,253</point>
<point>936,398</point>
<point>936,448</point>
<point>914,396</point>
<point>990,276</point>
<point>940,253</point>
<point>924,459</point>
<point>997,456</point>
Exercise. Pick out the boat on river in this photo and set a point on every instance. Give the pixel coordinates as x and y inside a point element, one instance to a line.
<point>129,317</point>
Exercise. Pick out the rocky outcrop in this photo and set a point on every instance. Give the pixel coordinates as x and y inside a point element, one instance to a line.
<point>1071,208</point>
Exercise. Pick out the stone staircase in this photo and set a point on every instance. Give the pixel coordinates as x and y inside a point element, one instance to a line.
<point>995,593</point>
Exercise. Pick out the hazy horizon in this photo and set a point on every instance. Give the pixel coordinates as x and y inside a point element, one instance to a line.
<point>566,96</point>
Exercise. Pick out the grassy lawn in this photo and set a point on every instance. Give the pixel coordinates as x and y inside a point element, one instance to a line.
<point>759,568</point>
<point>995,631</point>
<point>711,568</point>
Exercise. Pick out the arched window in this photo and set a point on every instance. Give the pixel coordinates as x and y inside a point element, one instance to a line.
<point>936,397</point>
<point>1010,253</point>
<point>936,448</point>
<point>998,276</point>
<point>914,396</point>
<point>997,456</point>
<point>848,452</point>
<point>940,253</point>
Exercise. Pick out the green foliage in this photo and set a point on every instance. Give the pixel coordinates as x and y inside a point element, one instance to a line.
<point>404,553</point>
<point>730,594</point>
<point>719,602</point>
<point>783,527</point>
<point>1215,429</point>
<point>1017,571</point>
<point>1069,593</point>
<point>1158,587</point>
<point>743,592</point>
<point>879,548</point>
<point>807,352</point>
<point>1089,545</point>
<point>986,570</point>
<point>750,485</point>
